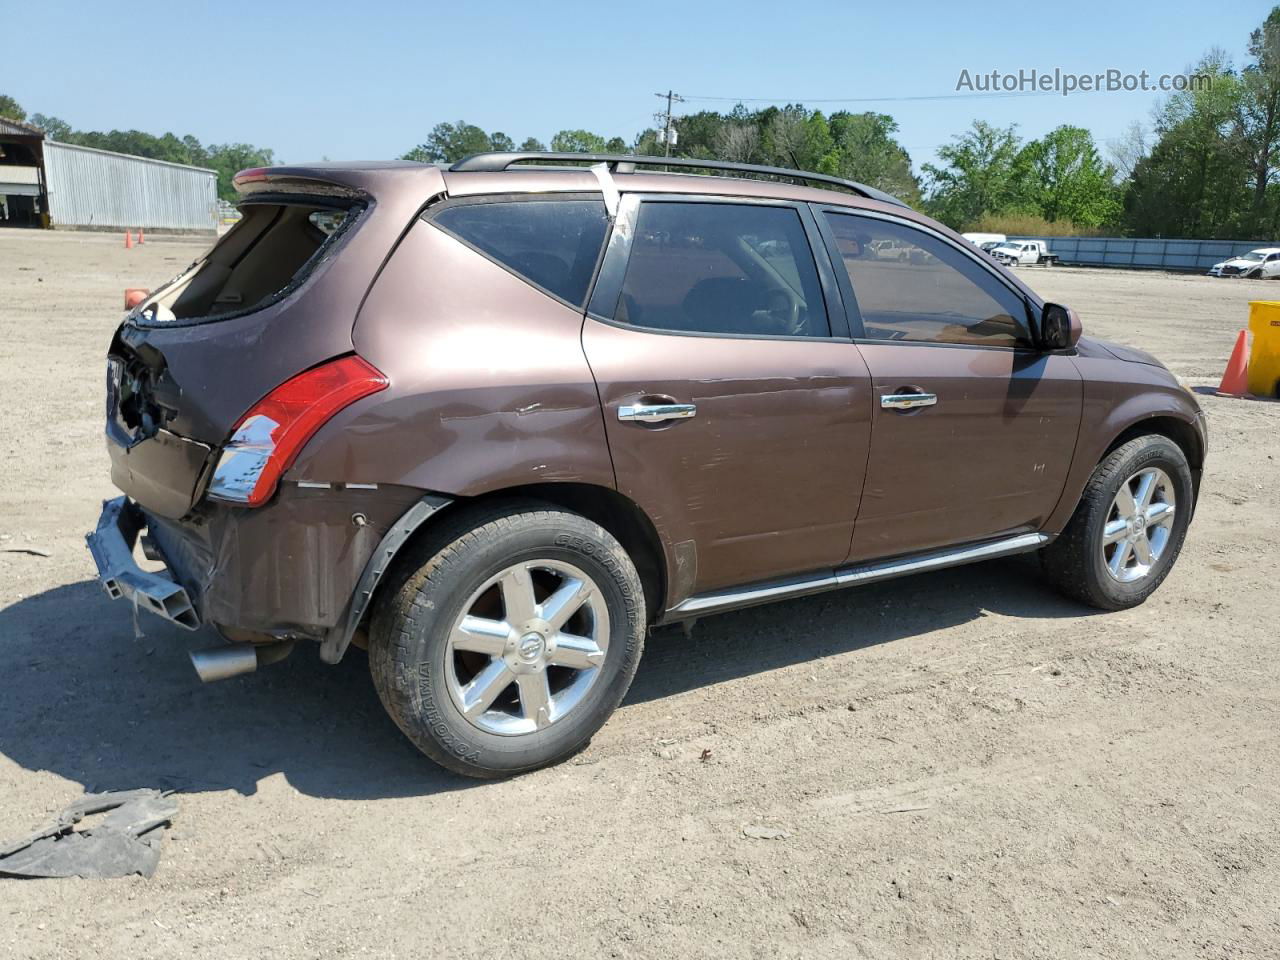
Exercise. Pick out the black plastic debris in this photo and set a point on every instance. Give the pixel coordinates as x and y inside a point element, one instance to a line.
<point>125,842</point>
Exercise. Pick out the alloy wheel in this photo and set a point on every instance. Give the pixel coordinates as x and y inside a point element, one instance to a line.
<point>1139,525</point>
<point>527,646</point>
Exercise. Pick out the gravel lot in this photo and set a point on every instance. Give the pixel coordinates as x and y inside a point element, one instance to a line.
<point>960,765</point>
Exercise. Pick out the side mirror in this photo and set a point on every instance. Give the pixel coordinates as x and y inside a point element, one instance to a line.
<point>1060,328</point>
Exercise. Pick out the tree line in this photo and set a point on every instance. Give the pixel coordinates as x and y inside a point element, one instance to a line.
<point>1208,165</point>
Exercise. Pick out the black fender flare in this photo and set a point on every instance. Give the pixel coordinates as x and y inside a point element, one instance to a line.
<point>338,639</point>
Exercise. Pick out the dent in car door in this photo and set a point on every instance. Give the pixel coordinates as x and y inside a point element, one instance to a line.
<point>752,464</point>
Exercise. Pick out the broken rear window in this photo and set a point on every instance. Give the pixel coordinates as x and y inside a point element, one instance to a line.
<point>266,254</point>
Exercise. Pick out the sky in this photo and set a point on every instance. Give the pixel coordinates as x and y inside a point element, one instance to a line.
<point>353,81</point>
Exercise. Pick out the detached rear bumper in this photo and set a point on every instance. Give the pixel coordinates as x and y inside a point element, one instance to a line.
<point>111,545</point>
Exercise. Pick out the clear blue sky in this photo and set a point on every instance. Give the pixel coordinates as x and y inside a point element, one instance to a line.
<point>368,80</point>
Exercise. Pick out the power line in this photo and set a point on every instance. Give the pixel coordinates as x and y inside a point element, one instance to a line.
<point>938,96</point>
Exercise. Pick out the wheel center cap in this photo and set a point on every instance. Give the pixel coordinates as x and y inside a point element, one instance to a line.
<point>531,647</point>
<point>1139,523</point>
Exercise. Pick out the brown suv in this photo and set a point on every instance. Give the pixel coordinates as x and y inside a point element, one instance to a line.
<point>496,421</point>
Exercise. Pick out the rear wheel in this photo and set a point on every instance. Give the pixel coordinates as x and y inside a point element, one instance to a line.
<point>509,640</point>
<point>1129,527</point>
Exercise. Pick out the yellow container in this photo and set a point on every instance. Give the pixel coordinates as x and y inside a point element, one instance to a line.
<point>1264,357</point>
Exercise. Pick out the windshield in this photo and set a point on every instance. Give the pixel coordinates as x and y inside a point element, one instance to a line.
<point>1252,255</point>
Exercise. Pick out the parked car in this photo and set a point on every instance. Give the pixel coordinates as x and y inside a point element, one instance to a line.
<point>1260,264</point>
<point>494,422</point>
<point>981,240</point>
<point>1023,252</point>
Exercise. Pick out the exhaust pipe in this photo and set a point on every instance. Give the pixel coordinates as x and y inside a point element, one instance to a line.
<point>222,663</point>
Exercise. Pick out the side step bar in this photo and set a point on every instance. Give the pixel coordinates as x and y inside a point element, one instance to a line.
<point>720,601</point>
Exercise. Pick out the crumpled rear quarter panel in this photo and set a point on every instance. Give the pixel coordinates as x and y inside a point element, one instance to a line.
<point>289,566</point>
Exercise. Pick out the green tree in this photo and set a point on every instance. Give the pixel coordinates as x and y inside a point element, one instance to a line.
<point>10,108</point>
<point>450,142</point>
<point>1194,183</point>
<point>983,171</point>
<point>230,158</point>
<point>500,141</point>
<point>864,148</point>
<point>532,145</point>
<point>577,141</point>
<point>53,128</point>
<point>1257,120</point>
<point>1067,179</point>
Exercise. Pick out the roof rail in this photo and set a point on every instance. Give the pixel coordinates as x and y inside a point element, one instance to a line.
<point>626,163</point>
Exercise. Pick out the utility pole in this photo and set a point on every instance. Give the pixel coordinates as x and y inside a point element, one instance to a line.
<point>671,98</point>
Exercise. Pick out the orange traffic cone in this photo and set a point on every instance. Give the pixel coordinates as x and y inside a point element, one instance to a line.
<point>128,241</point>
<point>1235,379</point>
<point>140,240</point>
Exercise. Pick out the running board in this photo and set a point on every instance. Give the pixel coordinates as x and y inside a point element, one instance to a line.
<point>723,600</point>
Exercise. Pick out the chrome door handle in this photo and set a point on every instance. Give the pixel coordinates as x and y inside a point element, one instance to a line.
<point>907,401</point>
<point>656,412</point>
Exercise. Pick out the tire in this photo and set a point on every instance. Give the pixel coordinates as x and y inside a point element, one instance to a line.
<point>425,664</point>
<point>1080,565</point>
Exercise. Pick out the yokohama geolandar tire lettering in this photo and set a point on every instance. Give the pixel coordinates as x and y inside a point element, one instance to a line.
<point>416,625</point>
<point>1138,502</point>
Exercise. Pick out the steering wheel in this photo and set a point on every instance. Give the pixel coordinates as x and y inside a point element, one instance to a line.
<point>783,303</point>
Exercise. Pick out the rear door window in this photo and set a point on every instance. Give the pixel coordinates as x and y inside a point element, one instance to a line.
<point>911,285</point>
<point>722,268</point>
<point>553,244</point>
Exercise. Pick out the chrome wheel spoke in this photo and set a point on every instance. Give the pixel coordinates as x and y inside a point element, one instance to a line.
<point>1146,487</point>
<point>565,602</point>
<point>535,698</point>
<point>1114,531</point>
<point>580,653</point>
<point>478,635</point>
<point>1159,514</point>
<point>479,694</point>
<point>1120,558</point>
<point>517,595</point>
<point>1124,500</point>
<point>1142,549</point>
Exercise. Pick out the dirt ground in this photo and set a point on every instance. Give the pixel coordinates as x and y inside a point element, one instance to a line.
<point>962,764</point>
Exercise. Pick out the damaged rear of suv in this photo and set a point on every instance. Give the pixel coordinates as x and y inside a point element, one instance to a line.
<point>215,384</point>
<point>494,422</point>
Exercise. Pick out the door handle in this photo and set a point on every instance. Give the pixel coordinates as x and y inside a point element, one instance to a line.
<point>907,401</point>
<point>656,412</point>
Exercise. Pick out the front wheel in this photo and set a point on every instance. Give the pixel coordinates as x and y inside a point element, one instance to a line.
<point>509,640</point>
<point>1129,527</point>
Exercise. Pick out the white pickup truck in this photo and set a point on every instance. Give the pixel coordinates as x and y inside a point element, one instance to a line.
<point>1024,252</point>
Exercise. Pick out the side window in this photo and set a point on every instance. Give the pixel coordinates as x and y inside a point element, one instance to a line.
<point>553,244</point>
<point>744,269</point>
<point>910,285</point>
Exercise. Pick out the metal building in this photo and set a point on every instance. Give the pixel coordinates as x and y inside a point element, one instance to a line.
<point>51,184</point>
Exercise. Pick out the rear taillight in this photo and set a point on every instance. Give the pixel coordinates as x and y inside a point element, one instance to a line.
<point>269,437</point>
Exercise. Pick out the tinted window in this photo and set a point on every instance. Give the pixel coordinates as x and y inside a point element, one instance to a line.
<point>722,268</point>
<point>909,285</point>
<point>551,243</point>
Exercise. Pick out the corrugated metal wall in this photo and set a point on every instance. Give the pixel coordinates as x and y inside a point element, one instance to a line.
<point>94,188</point>
<point>1154,254</point>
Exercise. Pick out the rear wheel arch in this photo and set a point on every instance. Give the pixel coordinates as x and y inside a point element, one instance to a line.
<point>621,517</point>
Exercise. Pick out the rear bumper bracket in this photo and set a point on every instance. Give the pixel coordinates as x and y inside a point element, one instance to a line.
<point>111,545</point>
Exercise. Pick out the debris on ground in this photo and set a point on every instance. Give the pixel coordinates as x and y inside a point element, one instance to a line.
<point>761,831</point>
<point>126,841</point>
